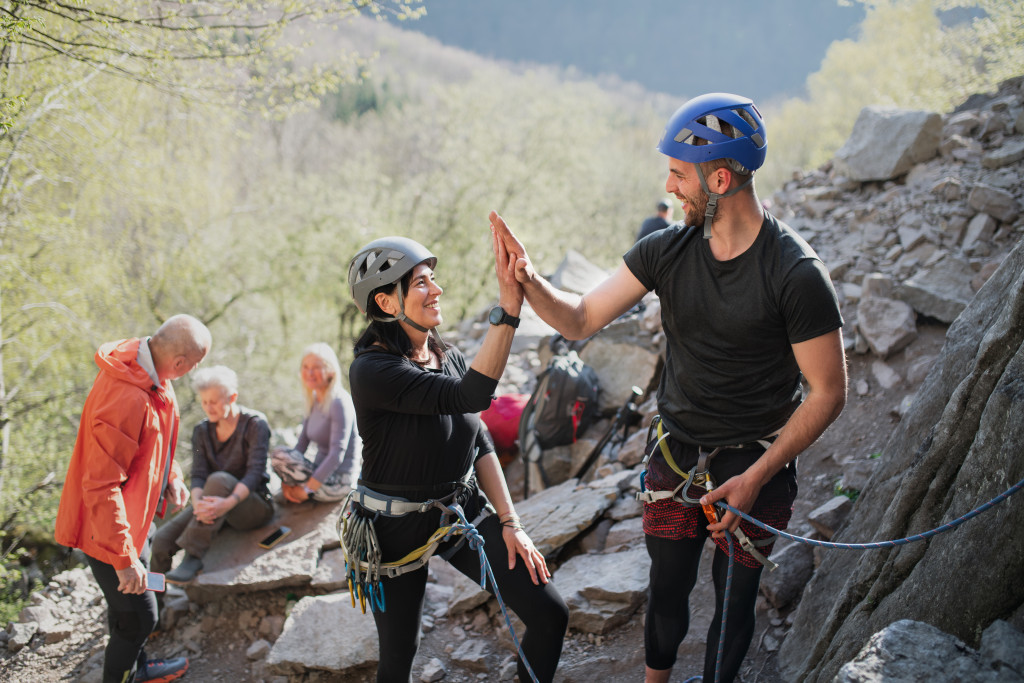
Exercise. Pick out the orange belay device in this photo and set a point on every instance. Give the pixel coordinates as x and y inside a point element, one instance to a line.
<point>703,480</point>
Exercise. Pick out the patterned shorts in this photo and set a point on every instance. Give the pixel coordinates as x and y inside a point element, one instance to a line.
<point>674,521</point>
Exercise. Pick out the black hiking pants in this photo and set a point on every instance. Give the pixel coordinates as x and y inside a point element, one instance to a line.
<point>130,617</point>
<point>674,565</point>
<point>541,608</point>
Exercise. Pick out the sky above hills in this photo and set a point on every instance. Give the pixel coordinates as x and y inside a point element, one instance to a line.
<point>764,50</point>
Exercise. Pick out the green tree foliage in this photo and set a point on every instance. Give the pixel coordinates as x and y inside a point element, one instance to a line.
<point>113,119</point>
<point>904,56</point>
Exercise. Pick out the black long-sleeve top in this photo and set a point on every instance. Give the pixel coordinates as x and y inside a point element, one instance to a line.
<point>421,430</point>
<point>243,455</point>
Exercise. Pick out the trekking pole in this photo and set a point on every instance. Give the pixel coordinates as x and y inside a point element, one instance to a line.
<point>624,418</point>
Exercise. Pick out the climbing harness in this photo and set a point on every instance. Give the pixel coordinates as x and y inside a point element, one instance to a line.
<point>364,569</point>
<point>363,566</point>
<point>725,507</point>
<point>700,476</point>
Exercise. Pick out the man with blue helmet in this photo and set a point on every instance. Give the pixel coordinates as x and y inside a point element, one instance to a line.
<point>754,369</point>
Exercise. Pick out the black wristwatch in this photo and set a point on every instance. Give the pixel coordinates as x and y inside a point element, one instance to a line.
<point>498,316</point>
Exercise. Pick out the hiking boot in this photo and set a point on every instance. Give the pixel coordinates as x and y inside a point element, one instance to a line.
<point>162,670</point>
<point>186,571</point>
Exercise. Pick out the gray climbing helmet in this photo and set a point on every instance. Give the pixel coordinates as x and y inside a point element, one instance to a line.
<point>385,261</point>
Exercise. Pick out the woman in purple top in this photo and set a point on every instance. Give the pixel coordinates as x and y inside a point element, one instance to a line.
<point>330,424</point>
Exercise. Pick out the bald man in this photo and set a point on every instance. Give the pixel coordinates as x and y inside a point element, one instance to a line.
<point>122,473</point>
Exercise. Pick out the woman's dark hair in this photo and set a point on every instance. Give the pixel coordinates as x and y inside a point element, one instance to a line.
<point>390,335</point>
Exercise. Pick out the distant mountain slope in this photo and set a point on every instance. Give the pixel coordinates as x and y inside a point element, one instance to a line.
<point>762,49</point>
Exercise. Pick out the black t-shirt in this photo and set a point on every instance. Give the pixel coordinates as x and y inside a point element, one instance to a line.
<point>730,374</point>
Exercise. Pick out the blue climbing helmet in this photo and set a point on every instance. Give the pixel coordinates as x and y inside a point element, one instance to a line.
<point>694,133</point>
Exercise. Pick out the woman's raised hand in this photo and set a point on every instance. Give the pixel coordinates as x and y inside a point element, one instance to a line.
<point>516,257</point>
<point>510,292</point>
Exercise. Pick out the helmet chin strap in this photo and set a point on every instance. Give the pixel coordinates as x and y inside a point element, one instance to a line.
<point>402,317</point>
<point>713,197</point>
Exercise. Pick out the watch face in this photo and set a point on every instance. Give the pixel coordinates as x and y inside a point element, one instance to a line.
<point>497,313</point>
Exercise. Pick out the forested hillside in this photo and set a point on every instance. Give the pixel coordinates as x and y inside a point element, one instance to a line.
<point>152,163</point>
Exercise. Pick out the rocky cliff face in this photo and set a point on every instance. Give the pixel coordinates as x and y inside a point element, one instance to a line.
<point>957,447</point>
<point>959,444</point>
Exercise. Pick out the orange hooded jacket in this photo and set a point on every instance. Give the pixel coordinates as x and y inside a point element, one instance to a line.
<point>127,433</point>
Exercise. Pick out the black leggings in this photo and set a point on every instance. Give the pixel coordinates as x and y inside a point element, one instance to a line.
<point>541,608</point>
<point>674,565</point>
<point>131,618</point>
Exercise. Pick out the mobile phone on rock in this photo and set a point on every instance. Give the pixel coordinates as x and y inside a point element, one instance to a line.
<point>275,537</point>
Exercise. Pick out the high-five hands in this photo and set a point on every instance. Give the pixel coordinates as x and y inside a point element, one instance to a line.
<point>524,271</point>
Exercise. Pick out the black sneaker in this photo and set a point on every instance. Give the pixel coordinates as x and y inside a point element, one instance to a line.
<point>163,670</point>
<point>186,571</point>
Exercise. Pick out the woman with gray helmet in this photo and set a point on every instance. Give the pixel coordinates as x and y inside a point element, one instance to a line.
<point>417,407</point>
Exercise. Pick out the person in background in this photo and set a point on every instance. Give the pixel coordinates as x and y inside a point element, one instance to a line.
<point>122,473</point>
<point>749,315</point>
<point>229,476</point>
<point>330,424</point>
<point>661,219</point>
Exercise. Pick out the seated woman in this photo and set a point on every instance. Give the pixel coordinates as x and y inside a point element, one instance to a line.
<point>229,476</point>
<point>418,408</point>
<point>331,424</point>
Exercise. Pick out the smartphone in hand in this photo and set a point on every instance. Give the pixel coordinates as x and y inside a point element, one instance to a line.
<point>155,582</point>
<point>275,537</point>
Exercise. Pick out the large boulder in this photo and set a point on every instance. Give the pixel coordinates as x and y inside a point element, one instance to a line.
<point>956,448</point>
<point>886,143</point>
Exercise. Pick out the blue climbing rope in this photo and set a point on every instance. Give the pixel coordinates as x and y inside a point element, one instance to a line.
<point>840,546</point>
<point>476,541</point>
<point>881,544</point>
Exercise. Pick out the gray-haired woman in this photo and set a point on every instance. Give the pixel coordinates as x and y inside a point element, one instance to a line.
<point>229,476</point>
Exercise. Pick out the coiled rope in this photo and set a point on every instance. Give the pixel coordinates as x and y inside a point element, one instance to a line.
<point>839,546</point>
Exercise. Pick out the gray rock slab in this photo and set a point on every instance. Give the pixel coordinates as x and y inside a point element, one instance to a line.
<point>795,567</point>
<point>1010,152</point>
<point>941,291</point>
<point>577,274</point>
<point>887,142</point>
<point>325,633</point>
<point>886,377</point>
<point>620,364</point>
<point>628,532</point>
<point>603,590</point>
<point>995,201</point>
<point>627,507</point>
<point>330,571</point>
<point>20,635</point>
<point>451,591</point>
<point>473,654</point>
<point>888,325</point>
<point>827,518</point>
<point>236,563</point>
<point>1003,646</point>
<point>558,514</point>
<point>910,651</point>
